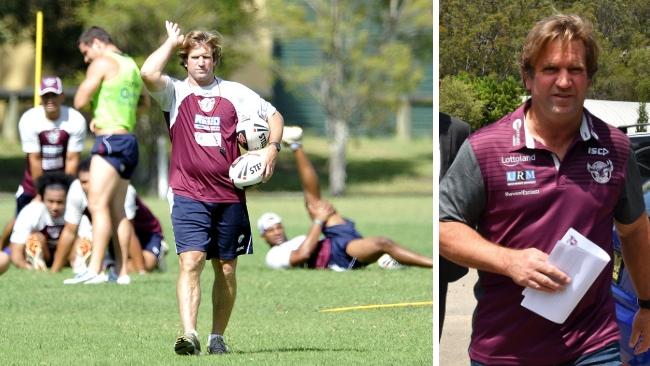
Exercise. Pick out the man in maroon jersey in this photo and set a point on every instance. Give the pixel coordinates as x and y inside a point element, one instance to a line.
<point>518,185</point>
<point>209,214</point>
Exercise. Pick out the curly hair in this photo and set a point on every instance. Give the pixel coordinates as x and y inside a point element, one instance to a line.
<point>200,38</point>
<point>53,180</point>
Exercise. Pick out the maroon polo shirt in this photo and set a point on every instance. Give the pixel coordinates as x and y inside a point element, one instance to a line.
<point>527,198</point>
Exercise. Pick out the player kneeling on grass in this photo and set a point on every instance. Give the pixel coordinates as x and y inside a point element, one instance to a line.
<point>342,247</point>
<point>37,227</point>
<point>146,249</point>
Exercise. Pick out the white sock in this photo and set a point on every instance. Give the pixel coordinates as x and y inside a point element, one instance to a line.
<point>193,332</point>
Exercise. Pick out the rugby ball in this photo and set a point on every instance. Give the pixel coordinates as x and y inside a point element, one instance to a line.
<point>247,170</point>
<point>252,133</point>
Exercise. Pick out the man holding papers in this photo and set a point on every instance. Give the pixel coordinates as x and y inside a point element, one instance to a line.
<point>518,186</point>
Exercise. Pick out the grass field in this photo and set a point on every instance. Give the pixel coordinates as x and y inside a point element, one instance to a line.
<point>276,320</point>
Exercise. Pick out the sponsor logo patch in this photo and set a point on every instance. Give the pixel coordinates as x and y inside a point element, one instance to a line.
<point>519,177</point>
<point>523,192</point>
<point>597,151</point>
<point>514,160</point>
<point>207,104</point>
<point>601,171</point>
<point>53,136</point>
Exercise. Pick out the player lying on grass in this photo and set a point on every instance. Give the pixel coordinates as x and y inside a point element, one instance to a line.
<point>332,241</point>
<point>146,248</point>
<point>37,227</point>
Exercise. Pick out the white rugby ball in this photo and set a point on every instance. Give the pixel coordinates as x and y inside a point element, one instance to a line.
<point>247,170</point>
<point>252,133</point>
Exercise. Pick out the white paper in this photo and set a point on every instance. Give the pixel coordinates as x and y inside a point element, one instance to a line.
<point>582,260</point>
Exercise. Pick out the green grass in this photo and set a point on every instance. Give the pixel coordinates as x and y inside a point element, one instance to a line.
<point>276,320</point>
<point>374,166</point>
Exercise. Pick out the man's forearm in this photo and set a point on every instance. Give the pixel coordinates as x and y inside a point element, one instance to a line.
<point>276,125</point>
<point>463,245</point>
<point>35,165</point>
<point>152,68</point>
<point>72,163</point>
<point>635,246</point>
<point>307,248</point>
<point>63,247</point>
<point>18,256</point>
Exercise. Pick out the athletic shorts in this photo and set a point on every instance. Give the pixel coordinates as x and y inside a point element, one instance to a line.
<point>221,230</point>
<point>7,250</point>
<point>121,151</point>
<point>150,242</point>
<point>340,236</point>
<point>22,200</point>
<point>50,261</point>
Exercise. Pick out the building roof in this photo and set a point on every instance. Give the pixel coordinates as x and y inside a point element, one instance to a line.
<point>614,112</point>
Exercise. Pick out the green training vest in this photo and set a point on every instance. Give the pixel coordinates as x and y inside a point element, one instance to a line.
<point>115,103</point>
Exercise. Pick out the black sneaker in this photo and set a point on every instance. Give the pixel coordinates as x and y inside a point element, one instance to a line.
<point>217,346</point>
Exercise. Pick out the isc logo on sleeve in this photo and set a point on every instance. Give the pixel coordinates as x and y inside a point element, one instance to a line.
<point>597,151</point>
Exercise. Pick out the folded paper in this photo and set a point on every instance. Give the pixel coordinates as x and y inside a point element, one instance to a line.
<point>582,260</point>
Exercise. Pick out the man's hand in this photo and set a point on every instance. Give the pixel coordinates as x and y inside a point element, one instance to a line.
<point>321,210</point>
<point>530,268</point>
<point>174,36</point>
<point>640,337</point>
<point>270,154</point>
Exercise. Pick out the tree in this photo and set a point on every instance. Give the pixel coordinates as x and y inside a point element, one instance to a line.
<point>458,98</point>
<point>479,100</point>
<point>484,37</point>
<point>367,61</point>
<point>643,118</point>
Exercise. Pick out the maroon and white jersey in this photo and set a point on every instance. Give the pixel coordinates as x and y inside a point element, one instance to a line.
<point>202,123</point>
<point>516,192</point>
<point>52,139</point>
<point>35,218</point>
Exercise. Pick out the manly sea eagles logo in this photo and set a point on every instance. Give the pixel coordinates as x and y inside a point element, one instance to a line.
<point>206,104</point>
<point>53,136</point>
<point>601,172</point>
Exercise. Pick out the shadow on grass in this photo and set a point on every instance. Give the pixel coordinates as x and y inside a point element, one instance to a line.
<point>285,177</point>
<point>12,173</point>
<point>299,349</point>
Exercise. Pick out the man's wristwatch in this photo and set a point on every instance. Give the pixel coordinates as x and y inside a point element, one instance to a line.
<point>277,146</point>
<point>644,304</point>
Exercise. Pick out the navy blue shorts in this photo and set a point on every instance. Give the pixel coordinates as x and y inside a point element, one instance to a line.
<point>121,151</point>
<point>22,201</point>
<point>221,230</point>
<point>340,236</point>
<point>150,242</point>
<point>7,250</point>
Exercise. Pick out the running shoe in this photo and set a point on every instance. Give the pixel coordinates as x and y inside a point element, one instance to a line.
<point>85,277</point>
<point>217,346</point>
<point>388,262</point>
<point>292,136</point>
<point>34,254</point>
<point>187,344</point>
